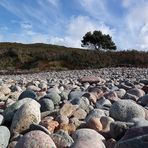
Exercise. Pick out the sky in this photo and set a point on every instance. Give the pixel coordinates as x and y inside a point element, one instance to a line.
<point>65,22</point>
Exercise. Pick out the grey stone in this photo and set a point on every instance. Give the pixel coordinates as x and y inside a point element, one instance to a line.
<point>27,94</point>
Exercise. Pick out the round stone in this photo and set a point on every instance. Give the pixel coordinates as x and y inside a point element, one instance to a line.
<point>26,115</point>
<point>46,105</point>
<point>27,94</point>
<point>1,119</point>
<point>35,139</point>
<point>4,136</point>
<point>125,110</point>
<point>10,111</point>
<point>55,97</point>
<point>137,92</point>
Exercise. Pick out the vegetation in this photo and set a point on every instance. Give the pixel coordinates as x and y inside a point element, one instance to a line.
<point>39,57</point>
<point>98,40</point>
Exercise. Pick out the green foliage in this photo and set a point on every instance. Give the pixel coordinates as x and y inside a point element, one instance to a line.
<point>98,41</point>
<point>42,57</point>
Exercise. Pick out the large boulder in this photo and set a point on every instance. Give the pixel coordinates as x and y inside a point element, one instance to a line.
<point>4,136</point>
<point>26,115</point>
<point>125,110</point>
<point>35,139</point>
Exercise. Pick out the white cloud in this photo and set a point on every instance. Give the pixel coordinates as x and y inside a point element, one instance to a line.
<point>77,28</point>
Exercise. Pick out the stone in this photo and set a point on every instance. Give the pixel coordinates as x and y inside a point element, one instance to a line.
<point>75,94</point>
<point>49,123</point>
<point>106,121</point>
<point>69,128</point>
<point>62,119</point>
<point>36,139</point>
<point>137,92</point>
<point>62,139</point>
<point>86,133</point>
<point>98,113</point>
<point>2,97</point>
<point>91,79</point>
<point>1,119</point>
<point>68,109</point>
<point>125,110</point>
<point>145,81</point>
<point>112,96</point>
<point>5,90</point>
<point>103,103</point>
<point>131,97</point>
<point>4,136</point>
<point>12,144</point>
<point>110,143</point>
<point>145,89</point>
<point>79,114</point>
<point>46,105</point>
<point>120,93</point>
<point>143,100</point>
<point>10,111</point>
<point>135,137</point>
<point>84,138</point>
<point>118,129</point>
<point>27,94</point>
<point>139,122</point>
<point>95,124</point>
<point>55,97</point>
<point>26,115</point>
<point>82,102</point>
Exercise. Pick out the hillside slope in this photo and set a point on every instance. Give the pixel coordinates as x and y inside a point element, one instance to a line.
<point>39,57</point>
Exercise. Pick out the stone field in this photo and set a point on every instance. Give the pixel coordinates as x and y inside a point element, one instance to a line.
<point>101,108</point>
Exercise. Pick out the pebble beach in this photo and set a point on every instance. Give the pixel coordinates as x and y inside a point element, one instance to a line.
<point>100,108</point>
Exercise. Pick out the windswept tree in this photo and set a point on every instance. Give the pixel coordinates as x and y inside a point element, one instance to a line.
<point>98,41</point>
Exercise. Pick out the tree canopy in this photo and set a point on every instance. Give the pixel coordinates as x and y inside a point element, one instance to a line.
<point>98,40</point>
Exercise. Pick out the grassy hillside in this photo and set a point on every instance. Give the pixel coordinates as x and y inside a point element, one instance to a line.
<point>38,57</point>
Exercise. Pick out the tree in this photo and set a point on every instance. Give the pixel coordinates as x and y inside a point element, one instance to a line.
<point>98,41</point>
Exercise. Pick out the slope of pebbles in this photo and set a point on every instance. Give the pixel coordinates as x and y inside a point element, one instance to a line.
<point>102,108</point>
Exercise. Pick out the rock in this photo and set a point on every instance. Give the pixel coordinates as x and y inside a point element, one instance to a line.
<point>26,115</point>
<point>69,128</point>
<point>12,144</point>
<point>120,93</point>
<point>2,97</point>
<point>68,109</point>
<point>46,105</point>
<point>110,143</point>
<point>1,119</point>
<point>125,110</point>
<point>55,97</point>
<point>62,139</point>
<point>118,129</point>
<point>83,103</point>
<point>139,122</point>
<point>35,139</point>
<point>98,113</point>
<point>143,100</point>
<point>10,111</point>
<point>9,102</point>
<point>106,121</point>
<point>62,119</point>
<point>75,94</point>
<point>4,136</point>
<point>136,92</point>
<point>27,94</point>
<point>145,82</point>
<point>79,114</point>
<point>85,138</point>
<point>95,124</point>
<point>91,79</point>
<point>134,137</point>
<point>86,134</point>
<point>131,97</point>
<point>145,89</point>
<point>112,96</point>
<point>103,103</point>
<point>5,90</point>
<point>94,95</point>
<point>49,123</point>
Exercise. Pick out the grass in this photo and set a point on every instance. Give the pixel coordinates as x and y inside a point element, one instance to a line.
<point>44,57</point>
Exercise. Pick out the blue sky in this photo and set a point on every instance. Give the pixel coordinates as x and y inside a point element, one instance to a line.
<point>64,22</point>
